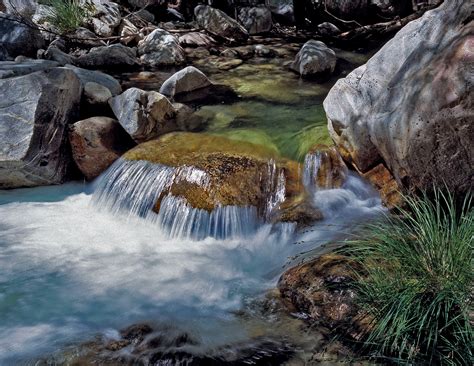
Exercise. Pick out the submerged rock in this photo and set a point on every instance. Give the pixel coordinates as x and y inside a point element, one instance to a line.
<point>220,24</point>
<point>314,59</point>
<point>35,110</point>
<point>196,39</point>
<point>165,345</point>
<point>161,48</point>
<point>321,290</point>
<point>144,115</point>
<point>410,107</point>
<point>96,143</point>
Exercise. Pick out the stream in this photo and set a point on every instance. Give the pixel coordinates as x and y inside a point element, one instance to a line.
<point>73,265</point>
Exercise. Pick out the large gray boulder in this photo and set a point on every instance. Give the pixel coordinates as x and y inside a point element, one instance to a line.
<point>161,48</point>
<point>116,56</point>
<point>219,24</point>
<point>144,115</point>
<point>410,107</point>
<point>17,38</point>
<point>255,19</point>
<point>35,110</point>
<point>96,143</point>
<point>313,59</point>
<point>186,80</point>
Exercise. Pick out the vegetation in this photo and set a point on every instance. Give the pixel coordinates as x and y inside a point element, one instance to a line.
<point>418,281</point>
<point>67,15</point>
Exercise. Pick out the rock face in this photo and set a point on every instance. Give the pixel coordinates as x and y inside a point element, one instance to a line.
<point>160,48</point>
<point>233,172</point>
<point>314,59</point>
<point>410,107</point>
<point>256,20</point>
<point>144,115</point>
<point>116,55</point>
<point>18,39</point>
<point>219,24</point>
<point>96,143</point>
<point>34,114</point>
<point>186,80</point>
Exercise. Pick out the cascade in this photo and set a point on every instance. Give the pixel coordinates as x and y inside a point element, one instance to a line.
<point>133,187</point>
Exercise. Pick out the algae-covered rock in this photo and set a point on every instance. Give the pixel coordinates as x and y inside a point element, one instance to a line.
<point>219,171</point>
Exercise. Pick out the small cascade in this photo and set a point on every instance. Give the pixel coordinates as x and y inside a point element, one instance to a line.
<point>275,188</point>
<point>133,188</point>
<point>312,165</point>
<point>179,219</point>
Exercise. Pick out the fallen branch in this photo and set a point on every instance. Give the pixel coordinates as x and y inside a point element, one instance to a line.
<point>381,29</point>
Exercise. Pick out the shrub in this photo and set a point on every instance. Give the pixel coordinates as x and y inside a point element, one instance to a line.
<point>417,282</point>
<point>67,15</point>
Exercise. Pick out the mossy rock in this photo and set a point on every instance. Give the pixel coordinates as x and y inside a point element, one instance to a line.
<point>237,172</point>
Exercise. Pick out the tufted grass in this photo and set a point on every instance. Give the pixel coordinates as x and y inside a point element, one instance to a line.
<point>417,283</point>
<point>67,15</point>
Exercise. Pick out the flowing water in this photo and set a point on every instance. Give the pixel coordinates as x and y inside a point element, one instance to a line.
<point>83,259</point>
<point>73,265</point>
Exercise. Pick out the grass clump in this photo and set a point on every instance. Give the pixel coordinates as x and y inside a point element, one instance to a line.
<point>417,282</point>
<point>67,15</point>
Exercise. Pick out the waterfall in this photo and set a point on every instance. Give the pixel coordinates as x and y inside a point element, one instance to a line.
<point>133,188</point>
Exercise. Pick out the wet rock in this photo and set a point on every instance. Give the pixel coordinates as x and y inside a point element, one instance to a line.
<point>255,19</point>
<point>160,48</point>
<point>328,29</point>
<point>24,8</point>
<point>390,8</point>
<point>421,130</point>
<point>326,169</point>
<point>11,68</point>
<point>230,53</point>
<point>3,53</point>
<point>34,113</point>
<point>383,181</point>
<point>186,80</point>
<point>98,77</point>
<point>235,172</point>
<point>187,119</point>
<point>220,24</point>
<point>197,53</point>
<point>136,332</point>
<point>19,39</point>
<point>263,51</point>
<point>96,143</point>
<point>171,346</point>
<point>321,289</point>
<point>314,59</point>
<point>144,115</point>
<point>196,39</point>
<point>114,56</point>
